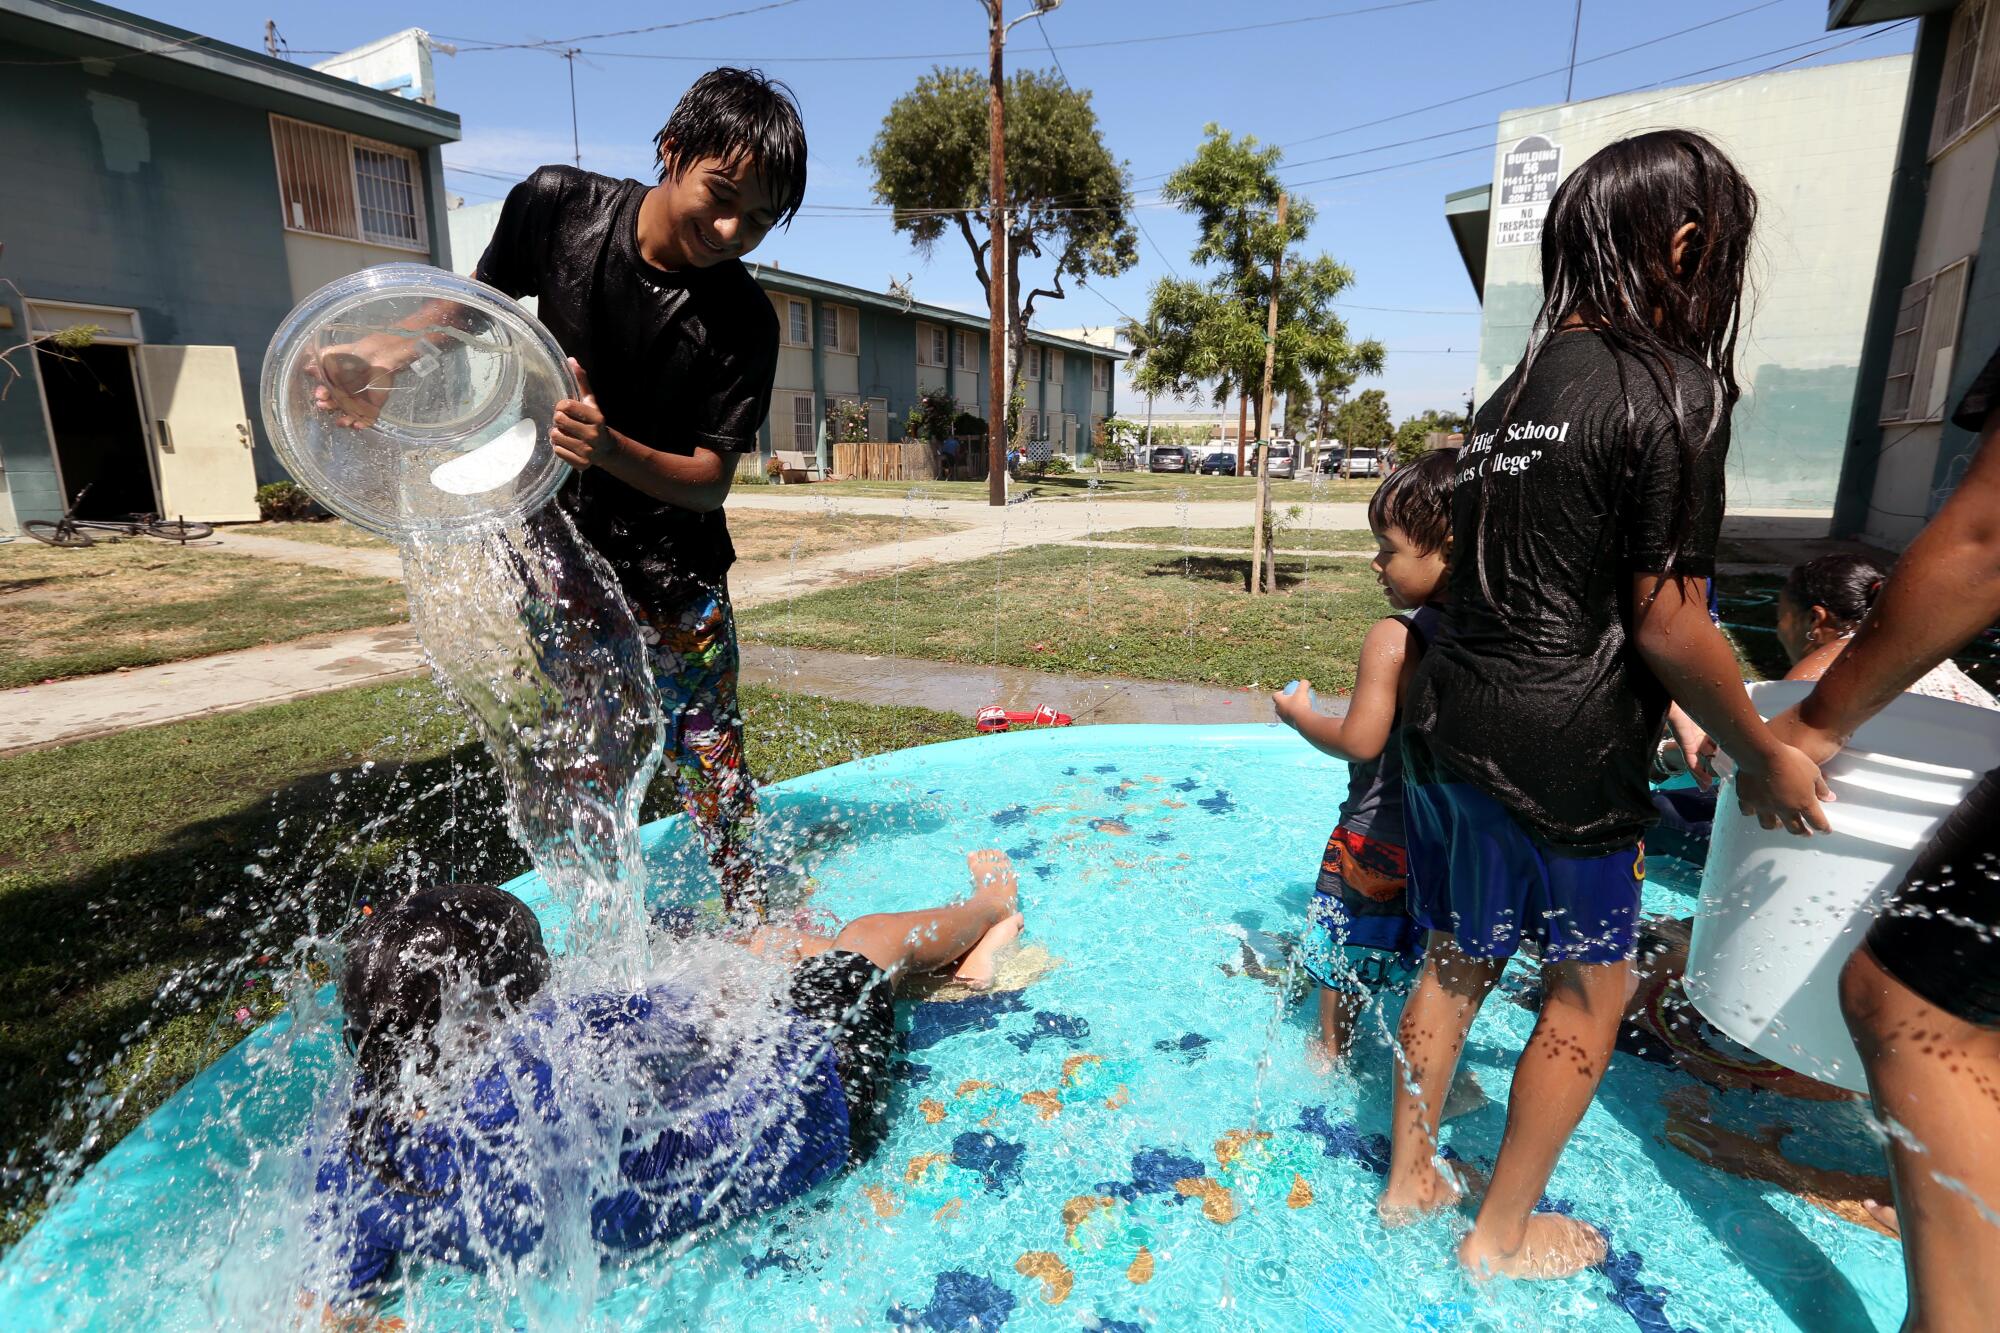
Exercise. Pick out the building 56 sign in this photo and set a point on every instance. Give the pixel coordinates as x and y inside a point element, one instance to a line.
<point>1528,175</point>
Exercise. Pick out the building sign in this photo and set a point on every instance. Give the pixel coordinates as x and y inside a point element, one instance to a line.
<point>1528,175</point>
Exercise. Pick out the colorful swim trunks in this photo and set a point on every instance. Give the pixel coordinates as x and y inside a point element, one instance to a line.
<point>1360,935</point>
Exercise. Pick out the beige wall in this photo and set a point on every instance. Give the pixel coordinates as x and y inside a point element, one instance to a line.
<point>314,261</point>
<point>1819,146</point>
<point>929,378</point>
<point>843,372</point>
<point>1954,216</point>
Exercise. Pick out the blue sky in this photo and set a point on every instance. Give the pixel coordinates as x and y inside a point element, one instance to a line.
<point>1318,85</point>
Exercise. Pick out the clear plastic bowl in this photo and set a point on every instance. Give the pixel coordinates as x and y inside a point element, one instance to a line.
<point>461,437</point>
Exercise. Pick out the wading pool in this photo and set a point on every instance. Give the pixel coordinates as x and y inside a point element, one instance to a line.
<point>1132,1140</point>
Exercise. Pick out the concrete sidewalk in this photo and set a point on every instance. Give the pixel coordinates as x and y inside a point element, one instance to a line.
<point>73,710</point>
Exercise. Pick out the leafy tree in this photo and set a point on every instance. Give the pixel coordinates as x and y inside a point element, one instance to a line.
<point>1298,416</point>
<point>1069,199</point>
<point>1411,436</point>
<point>1210,334</point>
<point>1363,422</point>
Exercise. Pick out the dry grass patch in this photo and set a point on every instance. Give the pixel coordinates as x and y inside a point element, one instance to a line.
<point>323,532</point>
<point>761,534</point>
<point>138,603</point>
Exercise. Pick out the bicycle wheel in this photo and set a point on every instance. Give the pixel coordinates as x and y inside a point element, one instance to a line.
<point>178,530</point>
<point>57,534</point>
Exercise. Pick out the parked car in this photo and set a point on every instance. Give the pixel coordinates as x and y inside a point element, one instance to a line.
<point>1364,463</point>
<point>1169,458</point>
<point>1284,456</point>
<point>1219,462</point>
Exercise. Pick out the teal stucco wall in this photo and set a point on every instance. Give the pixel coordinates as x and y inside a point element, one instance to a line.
<point>119,191</point>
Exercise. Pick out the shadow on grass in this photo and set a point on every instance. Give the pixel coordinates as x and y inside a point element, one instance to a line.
<point>1228,570</point>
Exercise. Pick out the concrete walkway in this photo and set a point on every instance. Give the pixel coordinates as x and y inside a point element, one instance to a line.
<point>73,710</point>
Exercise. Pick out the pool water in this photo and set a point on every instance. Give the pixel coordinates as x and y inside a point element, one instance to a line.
<point>1135,1140</point>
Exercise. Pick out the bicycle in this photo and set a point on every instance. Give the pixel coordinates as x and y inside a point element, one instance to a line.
<point>74,533</point>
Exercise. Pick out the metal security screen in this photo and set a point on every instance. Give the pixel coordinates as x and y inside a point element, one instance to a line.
<point>386,181</point>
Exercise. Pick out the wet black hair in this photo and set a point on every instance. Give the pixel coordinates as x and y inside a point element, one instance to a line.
<point>1607,257</point>
<point>406,957</point>
<point>1845,585</point>
<point>400,966</point>
<point>734,113</point>
<point>1417,499</point>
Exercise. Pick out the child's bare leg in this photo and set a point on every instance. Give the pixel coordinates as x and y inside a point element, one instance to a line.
<point>901,943</point>
<point>1337,1012</point>
<point>785,943</point>
<point>1554,1080</point>
<point>1936,1079</point>
<point>1430,1036</point>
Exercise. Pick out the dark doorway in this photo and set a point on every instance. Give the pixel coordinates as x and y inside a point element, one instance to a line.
<point>100,436</point>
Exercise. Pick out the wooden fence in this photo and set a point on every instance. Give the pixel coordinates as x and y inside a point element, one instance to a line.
<point>909,460</point>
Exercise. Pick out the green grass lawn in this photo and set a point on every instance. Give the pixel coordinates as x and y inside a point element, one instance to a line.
<point>137,603</point>
<point>124,863</point>
<point>1158,616</point>
<point>1161,486</point>
<point>1238,539</point>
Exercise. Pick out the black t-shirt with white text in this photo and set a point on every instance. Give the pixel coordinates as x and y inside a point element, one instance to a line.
<point>677,360</point>
<point>1537,695</point>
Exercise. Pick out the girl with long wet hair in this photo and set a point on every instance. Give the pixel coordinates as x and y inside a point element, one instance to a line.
<point>1585,517</point>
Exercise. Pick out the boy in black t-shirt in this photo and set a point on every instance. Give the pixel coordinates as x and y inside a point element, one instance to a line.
<point>675,347</point>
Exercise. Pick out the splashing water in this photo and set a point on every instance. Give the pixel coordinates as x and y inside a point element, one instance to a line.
<point>525,627</point>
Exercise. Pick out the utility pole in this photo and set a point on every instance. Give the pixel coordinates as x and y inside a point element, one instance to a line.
<point>575,144</point>
<point>999,292</point>
<point>1263,567</point>
<point>271,38</point>
<point>1575,31</point>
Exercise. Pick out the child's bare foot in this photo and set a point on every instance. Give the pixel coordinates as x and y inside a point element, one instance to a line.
<point>994,881</point>
<point>1429,1191</point>
<point>976,968</point>
<point>1552,1246</point>
<point>1884,1215</point>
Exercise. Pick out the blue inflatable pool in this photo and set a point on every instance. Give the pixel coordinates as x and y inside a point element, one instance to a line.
<point>1133,1140</point>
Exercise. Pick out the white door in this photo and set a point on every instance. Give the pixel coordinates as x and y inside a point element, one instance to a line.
<point>201,437</point>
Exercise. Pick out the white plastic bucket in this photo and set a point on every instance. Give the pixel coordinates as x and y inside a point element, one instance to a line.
<point>1780,914</point>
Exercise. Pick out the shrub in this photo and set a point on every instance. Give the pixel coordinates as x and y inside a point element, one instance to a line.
<point>968,424</point>
<point>284,502</point>
<point>846,422</point>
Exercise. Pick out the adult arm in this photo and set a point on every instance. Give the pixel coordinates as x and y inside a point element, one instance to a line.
<point>1681,645</point>
<point>1386,662</point>
<point>1942,593</point>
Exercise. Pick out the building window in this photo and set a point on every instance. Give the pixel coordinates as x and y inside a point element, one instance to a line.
<point>1926,341</point>
<point>968,351</point>
<point>839,329</point>
<point>803,435</point>
<point>798,323</point>
<point>1033,370</point>
<point>334,184</point>
<point>1054,359</point>
<point>1100,374</point>
<point>1969,91</point>
<point>930,345</point>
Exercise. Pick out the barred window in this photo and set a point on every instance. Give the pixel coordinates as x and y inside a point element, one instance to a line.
<point>1925,346</point>
<point>334,184</point>
<point>1969,91</point>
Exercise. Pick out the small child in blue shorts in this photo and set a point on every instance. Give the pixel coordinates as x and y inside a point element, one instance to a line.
<point>1361,938</point>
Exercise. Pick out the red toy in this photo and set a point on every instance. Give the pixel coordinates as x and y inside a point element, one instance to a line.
<point>996,718</point>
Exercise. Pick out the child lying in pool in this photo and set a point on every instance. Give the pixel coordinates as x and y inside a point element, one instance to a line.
<point>475,1107</point>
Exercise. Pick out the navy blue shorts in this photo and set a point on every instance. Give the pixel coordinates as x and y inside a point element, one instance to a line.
<point>1476,874</point>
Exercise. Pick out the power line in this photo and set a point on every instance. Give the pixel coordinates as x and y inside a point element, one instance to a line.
<point>551,43</point>
<point>889,57</point>
<point>1056,204</point>
<point>1621,111</point>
